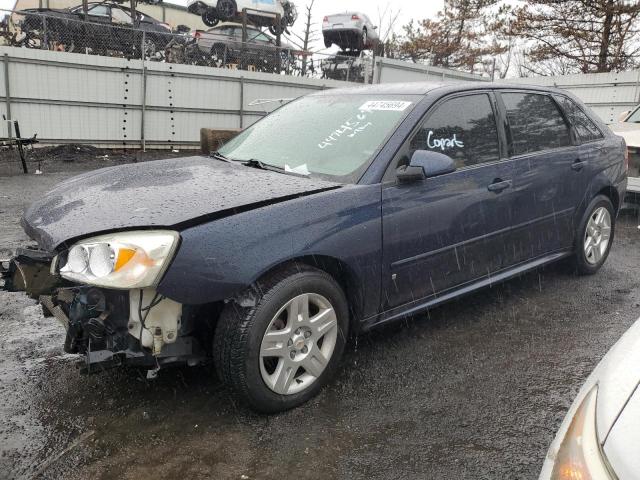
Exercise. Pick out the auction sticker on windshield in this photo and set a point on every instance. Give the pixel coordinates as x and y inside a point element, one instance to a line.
<point>382,105</point>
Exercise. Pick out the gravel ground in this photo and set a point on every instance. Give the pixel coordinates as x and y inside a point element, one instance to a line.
<point>474,390</point>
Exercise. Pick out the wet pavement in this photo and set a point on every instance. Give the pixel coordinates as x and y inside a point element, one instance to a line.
<point>475,389</point>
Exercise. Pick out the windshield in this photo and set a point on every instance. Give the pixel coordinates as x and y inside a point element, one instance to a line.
<point>634,117</point>
<point>330,136</point>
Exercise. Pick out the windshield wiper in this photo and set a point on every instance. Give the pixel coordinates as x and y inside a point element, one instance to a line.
<point>253,163</point>
<point>221,157</point>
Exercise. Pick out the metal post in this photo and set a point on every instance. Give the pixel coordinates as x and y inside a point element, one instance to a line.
<point>45,36</point>
<point>20,148</point>
<point>143,140</point>
<point>241,102</point>
<point>7,92</point>
<point>144,92</point>
<point>243,50</point>
<point>142,45</point>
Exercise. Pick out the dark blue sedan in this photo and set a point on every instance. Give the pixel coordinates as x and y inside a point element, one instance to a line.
<point>340,211</point>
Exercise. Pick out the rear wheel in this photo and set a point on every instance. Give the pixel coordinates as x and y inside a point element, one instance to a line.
<point>227,9</point>
<point>280,351</point>
<point>594,236</point>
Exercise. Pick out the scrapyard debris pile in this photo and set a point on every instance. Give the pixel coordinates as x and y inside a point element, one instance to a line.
<point>243,44</point>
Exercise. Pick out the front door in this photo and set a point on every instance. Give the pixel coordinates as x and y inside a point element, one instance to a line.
<point>444,232</point>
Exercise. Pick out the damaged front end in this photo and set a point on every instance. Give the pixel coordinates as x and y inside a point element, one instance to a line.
<point>110,327</point>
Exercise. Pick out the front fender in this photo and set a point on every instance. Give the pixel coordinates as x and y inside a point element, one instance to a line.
<point>221,258</point>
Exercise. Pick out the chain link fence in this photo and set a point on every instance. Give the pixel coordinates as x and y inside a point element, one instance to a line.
<point>112,32</point>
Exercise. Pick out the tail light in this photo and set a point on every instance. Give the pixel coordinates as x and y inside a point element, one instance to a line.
<point>626,159</point>
<point>325,20</point>
<point>197,34</point>
<point>355,17</point>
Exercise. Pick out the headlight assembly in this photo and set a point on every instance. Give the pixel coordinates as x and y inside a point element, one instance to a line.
<point>122,260</point>
<point>580,455</point>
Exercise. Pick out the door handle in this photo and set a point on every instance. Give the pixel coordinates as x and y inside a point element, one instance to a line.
<point>499,185</point>
<point>578,165</point>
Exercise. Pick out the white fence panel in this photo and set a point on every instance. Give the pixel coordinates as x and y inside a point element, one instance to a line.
<point>397,71</point>
<point>76,98</point>
<point>608,94</point>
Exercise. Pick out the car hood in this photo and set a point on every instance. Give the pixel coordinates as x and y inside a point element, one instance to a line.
<point>621,447</point>
<point>617,377</point>
<point>164,193</point>
<point>629,131</point>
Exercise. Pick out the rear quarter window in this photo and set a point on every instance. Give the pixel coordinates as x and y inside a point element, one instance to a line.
<point>585,128</point>
<point>535,122</point>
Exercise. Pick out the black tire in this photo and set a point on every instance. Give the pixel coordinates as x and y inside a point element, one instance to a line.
<point>580,261</point>
<point>276,30</point>
<point>364,39</point>
<point>210,18</point>
<point>244,321</point>
<point>227,10</point>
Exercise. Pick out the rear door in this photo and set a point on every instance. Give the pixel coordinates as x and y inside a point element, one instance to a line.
<point>444,232</point>
<point>549,177</point>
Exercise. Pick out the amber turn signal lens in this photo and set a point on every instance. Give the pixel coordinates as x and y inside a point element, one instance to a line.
<point>124,255</point>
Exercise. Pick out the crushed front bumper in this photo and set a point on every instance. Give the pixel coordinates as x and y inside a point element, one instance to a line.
<point>100,323</point>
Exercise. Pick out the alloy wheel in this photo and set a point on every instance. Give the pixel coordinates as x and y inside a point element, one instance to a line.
<point>298,344</point>
<point>597,235</point>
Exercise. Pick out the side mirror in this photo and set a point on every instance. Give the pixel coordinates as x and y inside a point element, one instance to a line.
<point>623,116</point>
<point>375,27</point>
<point>424,164</point>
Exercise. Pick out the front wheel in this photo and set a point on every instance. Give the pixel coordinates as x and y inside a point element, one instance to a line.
<point>210,18</point>
<point>280,351</point>
<point>595,236</point>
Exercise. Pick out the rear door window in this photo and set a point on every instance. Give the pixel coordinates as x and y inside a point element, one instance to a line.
<point>100,11</point>
<point>120,16</point>
<point>585,128</point>
<point>536,123</point>
<point>464,128</point>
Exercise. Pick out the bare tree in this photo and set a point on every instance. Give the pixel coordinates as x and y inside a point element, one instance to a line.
<point>309,36</point>
<point>387,20</point>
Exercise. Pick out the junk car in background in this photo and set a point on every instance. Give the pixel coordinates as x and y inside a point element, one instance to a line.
<point>224,46</point>
<point>600,434</point>
<point>107,28</point>
<point>349,66</point>
<point>629,128</point>
<point>262,13</point>
<point>384,202</point>
<point>350,31</point>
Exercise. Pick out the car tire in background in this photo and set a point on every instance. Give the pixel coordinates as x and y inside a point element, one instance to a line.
<point>594,236</point>
<point>364,39</point>
<point>210,17</point>
<point>227,10</point>
<point>281,341</point>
